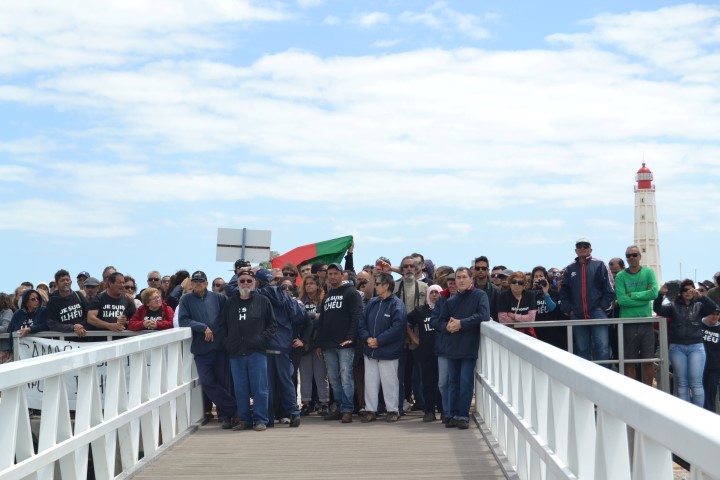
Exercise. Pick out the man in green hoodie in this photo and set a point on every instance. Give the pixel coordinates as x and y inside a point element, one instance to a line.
<point>636,287</point>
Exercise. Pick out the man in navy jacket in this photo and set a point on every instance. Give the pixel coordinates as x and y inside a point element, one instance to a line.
<point>461,316</point>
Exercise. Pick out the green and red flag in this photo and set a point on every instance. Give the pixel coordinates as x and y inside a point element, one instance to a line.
<point>328,251</point>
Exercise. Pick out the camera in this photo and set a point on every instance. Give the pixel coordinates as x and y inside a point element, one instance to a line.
<point>540,284</point>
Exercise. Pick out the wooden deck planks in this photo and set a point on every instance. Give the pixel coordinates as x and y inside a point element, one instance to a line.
<point>409,449</point>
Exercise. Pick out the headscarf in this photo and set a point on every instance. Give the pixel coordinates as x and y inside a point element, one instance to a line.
<point>432,288</point>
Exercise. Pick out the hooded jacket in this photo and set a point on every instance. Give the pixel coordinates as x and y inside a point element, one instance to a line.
<point>385,320</point>
<point>22,318</point>
<point>198,314</point>
<point>339,317</point>
<point>288,312</point>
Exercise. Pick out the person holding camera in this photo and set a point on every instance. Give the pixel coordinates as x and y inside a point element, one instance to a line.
<point>547,308</point>
<point>517,305</point>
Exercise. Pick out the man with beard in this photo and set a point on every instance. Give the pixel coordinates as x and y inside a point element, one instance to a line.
<point>111,309</point>
<point>246,325</point>
<point>337,332</point>
<point>481,280</point>
<point>66,311</point>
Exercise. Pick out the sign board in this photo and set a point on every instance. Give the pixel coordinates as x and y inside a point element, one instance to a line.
<point>230,245</point>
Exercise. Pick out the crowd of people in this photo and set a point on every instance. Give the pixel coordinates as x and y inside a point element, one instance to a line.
<point>360,342</point>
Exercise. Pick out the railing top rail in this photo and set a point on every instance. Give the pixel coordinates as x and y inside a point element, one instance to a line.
<point>17,373</point>
<point>92,333</point>
<point>586,322</point>
<point>672,422</point>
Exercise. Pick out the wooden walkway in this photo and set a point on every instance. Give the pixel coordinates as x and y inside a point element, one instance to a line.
<point>408,449</point>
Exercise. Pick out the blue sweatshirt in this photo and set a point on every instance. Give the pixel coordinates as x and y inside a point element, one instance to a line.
<point>198,314</point>
<point>470,307</point>
<point>288,312</point>
<point>386,321</point>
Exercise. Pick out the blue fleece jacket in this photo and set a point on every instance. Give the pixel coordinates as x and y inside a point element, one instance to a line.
<point>199,313</point>
<point>288,312</point>
<point>386,321</point>
<point>586,287</point>
<point>470,307</point>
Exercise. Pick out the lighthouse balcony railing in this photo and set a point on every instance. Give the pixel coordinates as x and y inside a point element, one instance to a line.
<point>549,414</point>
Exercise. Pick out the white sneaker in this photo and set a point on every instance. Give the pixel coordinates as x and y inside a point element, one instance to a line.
<point>284,421</point>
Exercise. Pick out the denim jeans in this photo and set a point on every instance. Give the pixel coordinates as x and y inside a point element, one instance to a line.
<point>461,385</point>
<point>281,389</point>
<point>443,380</point>
<point>688,362</point>
<point>249,374</point>
<point>593,341</point>
<point>339,363</point>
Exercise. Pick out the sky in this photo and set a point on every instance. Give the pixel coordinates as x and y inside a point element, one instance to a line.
<point>130,131</point>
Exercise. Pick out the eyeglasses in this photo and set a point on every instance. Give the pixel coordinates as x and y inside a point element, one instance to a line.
<point>517,282</point>
<point>408,266</point>
<point>289,274</point>
<point>701,290</point>
<point>582,245</point>
<point>91,286</point>
<point>218,285</point>
<point>481,268</point>
<point>246,281</point>
<point>495,275</point>
<point>632,255</point>
<point>687,289</point>
<point>129,287</point>
<point>153,279</point>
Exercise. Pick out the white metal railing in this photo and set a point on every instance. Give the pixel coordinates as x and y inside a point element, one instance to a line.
<point>160,400</point>
<point>553,415</point>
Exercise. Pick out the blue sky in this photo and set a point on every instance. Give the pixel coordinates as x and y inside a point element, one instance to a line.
<point>130,131</point>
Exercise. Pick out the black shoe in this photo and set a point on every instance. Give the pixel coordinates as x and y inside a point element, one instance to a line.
<point>295,421</point>
<point>305,410</point>
<point>429,417</point>
<point>463,425</point>
<point>229,423</point>
<point>451,423</point>
<point>324,410</point>
<point>416,407</point>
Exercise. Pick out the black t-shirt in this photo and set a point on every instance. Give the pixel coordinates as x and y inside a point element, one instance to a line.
<point>155,315</point>
<point>64,312</point>
<point>109,309</point>
<point>711,339</point>
<point>507,303</point>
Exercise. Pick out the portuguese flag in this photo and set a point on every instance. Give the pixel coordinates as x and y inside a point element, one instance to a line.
<point>329,251</point>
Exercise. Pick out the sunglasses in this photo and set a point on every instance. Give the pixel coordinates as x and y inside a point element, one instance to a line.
<point>246,281</point>
<point>582,245</point>
<point>289,274</point>
<point>632,255</point>
<point>517,282</point>
<point>408,266</point>
<point>687,289</point>
<point>153,279</point>
<point>481,268</point>
<point>218,285</point>
<point>129,287</point>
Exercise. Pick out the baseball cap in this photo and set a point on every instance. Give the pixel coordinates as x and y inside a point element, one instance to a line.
<point>91,282</point>
<point>264,275</point>
<point>241,263</point>
<point>582,240</point>
<point>198,276</point>
<point>83,274</point>
<point>336,266</point>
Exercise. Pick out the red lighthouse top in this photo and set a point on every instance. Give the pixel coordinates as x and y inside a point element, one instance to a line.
<point>644,178</point>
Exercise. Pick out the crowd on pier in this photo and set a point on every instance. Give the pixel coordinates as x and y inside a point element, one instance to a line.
<point>358,341</point>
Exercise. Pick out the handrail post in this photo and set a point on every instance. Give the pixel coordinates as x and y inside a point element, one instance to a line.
<point>664,358</point>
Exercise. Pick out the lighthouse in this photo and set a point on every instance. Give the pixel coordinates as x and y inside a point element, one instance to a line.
<point>646,231</point>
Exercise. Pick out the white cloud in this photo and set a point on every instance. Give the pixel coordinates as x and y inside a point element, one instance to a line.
<point>45,34</point>
<point>385,43</point>
<point>368,20</point>
<point>439,16</point>
<point>309,3</point>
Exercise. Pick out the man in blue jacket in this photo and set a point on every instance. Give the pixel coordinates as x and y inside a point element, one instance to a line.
<point>461,316</point>
<point>200,310</point>
<point>288,312</point>
<point>382,332</point>
<point>586,292</point>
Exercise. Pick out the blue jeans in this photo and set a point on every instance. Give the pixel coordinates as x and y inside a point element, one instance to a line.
<point>249,374</point>
<point>688,362</point>
<point>281,389</point>
<point>443,381</point>
<point>461,385</point>
<point>593,339</point>
<point>339,363</point>
<point>212,371</point>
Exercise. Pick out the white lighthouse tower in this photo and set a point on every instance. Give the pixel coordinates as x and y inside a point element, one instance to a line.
<point>646,231</point>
